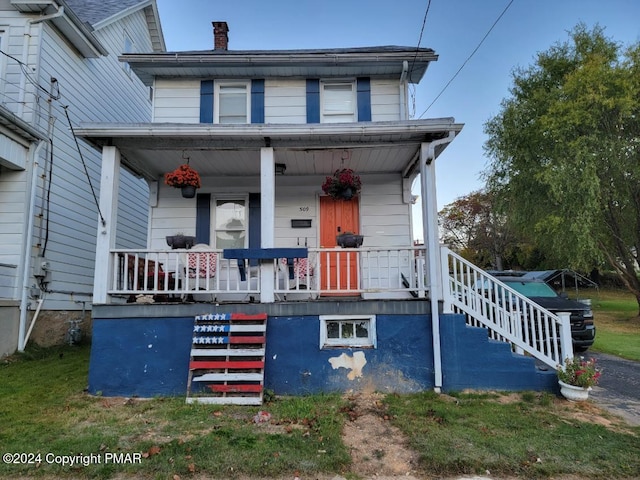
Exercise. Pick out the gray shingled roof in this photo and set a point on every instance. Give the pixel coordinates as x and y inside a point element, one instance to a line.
<point>94,11</point>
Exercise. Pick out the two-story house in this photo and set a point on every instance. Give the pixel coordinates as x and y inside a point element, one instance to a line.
<point>266,131</point>
<point>59,66</point>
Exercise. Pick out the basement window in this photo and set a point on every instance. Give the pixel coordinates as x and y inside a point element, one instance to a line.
<point>348,331</point>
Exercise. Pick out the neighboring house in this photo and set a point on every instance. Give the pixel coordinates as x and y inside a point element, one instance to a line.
<point>59,66</point>
<point>264,129</point>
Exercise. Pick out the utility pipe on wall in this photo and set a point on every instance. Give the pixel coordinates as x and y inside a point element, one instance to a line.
<point>27,252</point>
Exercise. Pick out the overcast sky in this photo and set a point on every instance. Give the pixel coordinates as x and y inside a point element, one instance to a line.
<point>454,29</point>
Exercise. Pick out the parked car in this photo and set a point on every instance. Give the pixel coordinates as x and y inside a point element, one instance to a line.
<point>583,330</point>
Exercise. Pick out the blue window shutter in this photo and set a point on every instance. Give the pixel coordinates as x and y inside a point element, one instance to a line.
<point>364,99</point>
<point>313,100</point>
<point>257,101</point>
<point>255,223</point>
<point>203,218</point>
<point>206,101</point>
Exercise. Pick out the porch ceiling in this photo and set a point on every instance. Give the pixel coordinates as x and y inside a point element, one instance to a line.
<point>234,150</point>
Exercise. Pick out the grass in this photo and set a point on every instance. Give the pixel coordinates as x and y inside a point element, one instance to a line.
<point>44,409</point>
<point>617,323</point>
<point>532,437</point>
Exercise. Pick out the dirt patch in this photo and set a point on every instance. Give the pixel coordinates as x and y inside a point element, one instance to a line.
<point>377,448</point>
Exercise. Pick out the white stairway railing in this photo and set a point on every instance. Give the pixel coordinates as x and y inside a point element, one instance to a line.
<point>508,315</point>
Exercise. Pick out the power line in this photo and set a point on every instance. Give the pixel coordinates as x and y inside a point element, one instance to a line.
<point>424,22</point>
<point>468,58</point>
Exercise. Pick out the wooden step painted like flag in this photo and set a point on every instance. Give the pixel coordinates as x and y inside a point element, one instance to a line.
<point>227,359</point>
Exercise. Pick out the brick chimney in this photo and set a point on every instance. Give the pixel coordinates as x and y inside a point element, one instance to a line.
<point>220,37</point>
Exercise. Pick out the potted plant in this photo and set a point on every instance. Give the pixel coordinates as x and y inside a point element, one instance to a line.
<point>180,240</point>
<point>349,240</point>
<point>185,178</point>
<point>344,184</point>
<point>577,376</point>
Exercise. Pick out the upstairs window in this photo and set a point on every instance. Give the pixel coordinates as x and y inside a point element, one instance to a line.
<point>232,103</point>
<point>338,102</point>
<point>127,48</point>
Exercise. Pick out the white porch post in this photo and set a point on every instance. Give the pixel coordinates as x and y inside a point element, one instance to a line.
<point>267,221</point>
<point>432,244</point>
<point>108,202</point>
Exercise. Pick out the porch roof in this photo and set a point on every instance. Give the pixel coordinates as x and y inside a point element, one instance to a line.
<point>151,149</point>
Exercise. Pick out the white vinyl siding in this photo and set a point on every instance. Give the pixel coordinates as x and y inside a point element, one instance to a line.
<point>285,101</point>
<point>95,90</point>
<point>384,218</point>
<point>385,101</point>
<point>176,101</point>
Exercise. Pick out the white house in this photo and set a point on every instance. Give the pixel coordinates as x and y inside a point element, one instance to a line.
<point>59,66</point>
<point>264,130</point>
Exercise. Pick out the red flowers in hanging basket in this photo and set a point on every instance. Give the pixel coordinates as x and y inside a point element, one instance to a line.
<point>183,176</point>
<point>344,183</point>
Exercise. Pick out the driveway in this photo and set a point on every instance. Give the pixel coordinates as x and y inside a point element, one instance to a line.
<point>619,387</point>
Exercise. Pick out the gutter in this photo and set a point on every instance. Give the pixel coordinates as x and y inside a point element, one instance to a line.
<point>209,131</point>
<point>432,243</point>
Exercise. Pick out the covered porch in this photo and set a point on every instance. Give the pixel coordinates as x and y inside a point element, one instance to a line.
<point>288,251</point>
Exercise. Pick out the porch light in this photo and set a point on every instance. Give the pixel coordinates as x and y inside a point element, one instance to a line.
<point>280,168</point>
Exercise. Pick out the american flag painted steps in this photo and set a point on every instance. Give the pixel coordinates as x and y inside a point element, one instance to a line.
<point>227,359</point>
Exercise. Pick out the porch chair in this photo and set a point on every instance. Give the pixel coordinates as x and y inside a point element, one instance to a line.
<point>140,270</point>
<point>297,274</point>
<point>201,267</point>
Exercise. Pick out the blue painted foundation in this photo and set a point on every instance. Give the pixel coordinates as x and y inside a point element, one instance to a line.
<point>402,361</point>
<point>471,361</point>
<point>149,356</point>
<point>142,357</point>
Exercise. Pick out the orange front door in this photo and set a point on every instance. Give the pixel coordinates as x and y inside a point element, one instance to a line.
<point>336,217</point>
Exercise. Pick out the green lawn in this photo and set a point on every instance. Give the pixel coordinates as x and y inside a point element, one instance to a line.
<point>617,323</point>
<point>45,410</point>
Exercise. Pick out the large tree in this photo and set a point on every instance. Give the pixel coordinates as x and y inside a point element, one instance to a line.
<point>473,227</point>
<point>565,150</point>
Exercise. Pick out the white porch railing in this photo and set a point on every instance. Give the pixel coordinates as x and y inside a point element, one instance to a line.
<point>508,315</point>
<point>176,275</point>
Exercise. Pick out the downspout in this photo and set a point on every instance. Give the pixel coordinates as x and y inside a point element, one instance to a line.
<point>28,246</point>
<point>403,90</point>
<point>430,229</point>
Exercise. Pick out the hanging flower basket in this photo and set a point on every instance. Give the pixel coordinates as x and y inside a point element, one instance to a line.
<point>343,184</point>
<point>185,178</point>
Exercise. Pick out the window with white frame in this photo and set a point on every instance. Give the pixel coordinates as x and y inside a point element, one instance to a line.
<point>230,223</point>
<point>3,59</point>
<point>348,331</point>
<point>232,102</point>
<point>127,48</point>
<point>338,101</point>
